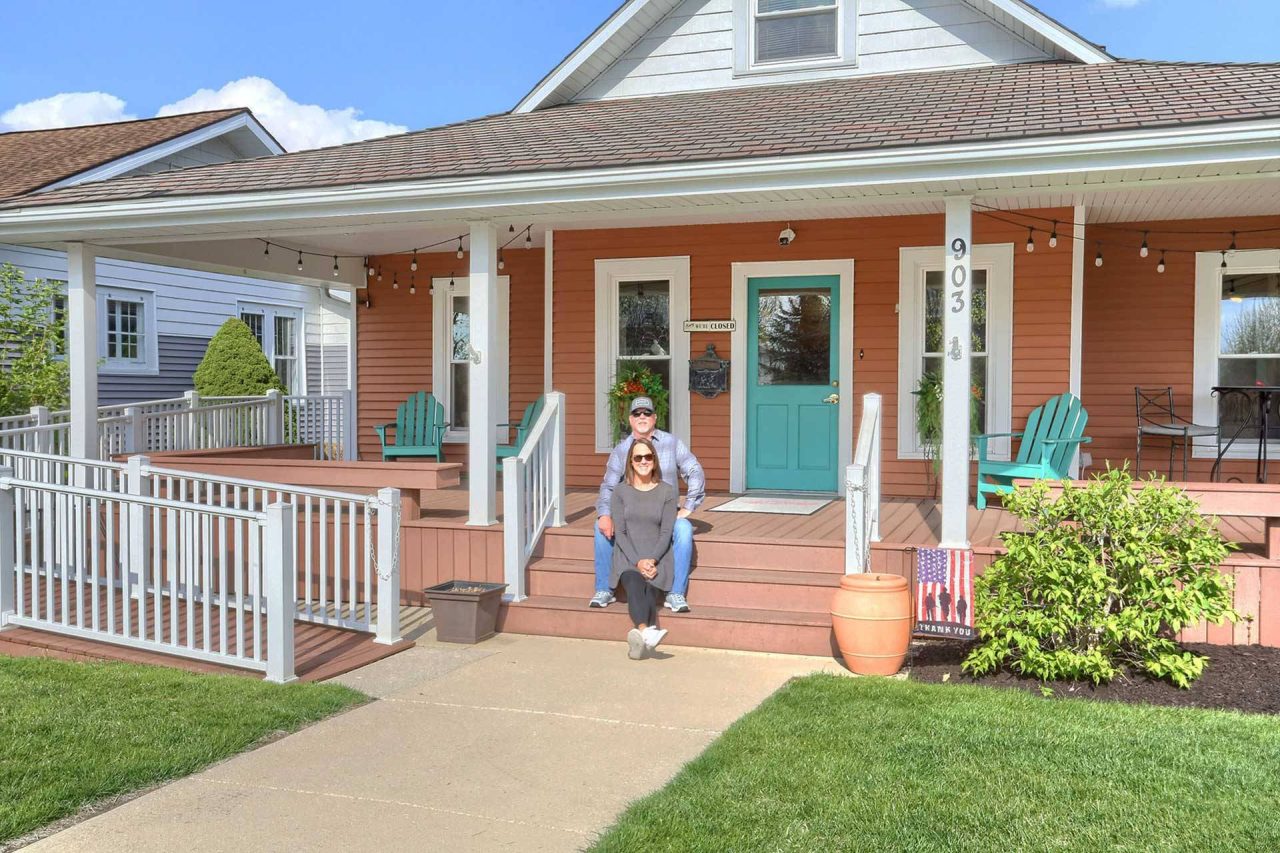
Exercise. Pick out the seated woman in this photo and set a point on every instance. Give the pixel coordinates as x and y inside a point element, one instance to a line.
<point>644,511</point>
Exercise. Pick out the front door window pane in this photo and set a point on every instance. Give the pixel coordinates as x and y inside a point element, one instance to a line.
<point>794,337</point>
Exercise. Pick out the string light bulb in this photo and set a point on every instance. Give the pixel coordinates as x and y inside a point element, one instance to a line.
<point>1031,239</point>
<point>395,281</point>
<point>1160,265</point>
<point>413,284</point>
<point>413,264</point>
<point>511,229</point>
<point>379,272</point>
<point>528,237</point>
<point>1143,251</point>
<point>368,270</point>
<point>266,249</point>
<point>1053,236</point>
<point>460,252</point>
<point>335,266</point>
<point>1223,265</point>
<point>299,260</point>
<point>1233,295</point>
<point>1232,247</point>
<point>502,264</point>
<point>451,281</point>
<point>1097,261</point>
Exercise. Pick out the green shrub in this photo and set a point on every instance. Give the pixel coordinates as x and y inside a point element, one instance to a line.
<point>32,337</point>
<point>234,365</point>
<point>1103,578</point>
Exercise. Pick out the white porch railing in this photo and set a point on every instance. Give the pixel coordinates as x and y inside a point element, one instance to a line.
<point>194,423</point>
<point>862,490</point>
<point>532,493</point>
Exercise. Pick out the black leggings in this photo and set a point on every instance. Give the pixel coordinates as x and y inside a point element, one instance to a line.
<point>642,598</point>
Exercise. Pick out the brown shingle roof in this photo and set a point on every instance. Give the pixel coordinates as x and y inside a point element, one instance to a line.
<point>853,114</point>
<point>31,159</point>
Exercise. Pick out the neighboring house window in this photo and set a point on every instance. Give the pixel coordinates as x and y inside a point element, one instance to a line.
<point>641,306</point>
<point>453,354</point>
<point>1237,343</point>
<point>278,329</point>
<point>920,344</point>
<point>60,316</point>
<point>784,35</point>
<point>127,340</point>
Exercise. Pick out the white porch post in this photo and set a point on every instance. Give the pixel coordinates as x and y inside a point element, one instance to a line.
<point>82,349</point>
<point>1077,315</point>
<point>482,411</point>
<point>957,337</point>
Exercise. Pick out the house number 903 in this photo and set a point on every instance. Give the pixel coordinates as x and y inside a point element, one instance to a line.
<point>959,280</point>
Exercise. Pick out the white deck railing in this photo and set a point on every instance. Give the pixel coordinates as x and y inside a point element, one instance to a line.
<point>532,493</point>
<point>194,423</point>
<point>862,490</point>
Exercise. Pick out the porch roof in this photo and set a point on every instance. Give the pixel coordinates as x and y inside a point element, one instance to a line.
<point>975,105</point>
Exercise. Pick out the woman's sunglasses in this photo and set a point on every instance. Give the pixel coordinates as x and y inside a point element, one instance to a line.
<point>642,457</point>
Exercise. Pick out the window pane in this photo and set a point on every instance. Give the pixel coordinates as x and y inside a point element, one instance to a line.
<point>796,37</point>
<point>286,342</point>
<point>794,337</point>
<point>660,366</point>
<point>1250,315</point>
<point>978,382</point>
<point>765,6</point>
<point>284,369</point>
<point>934,295</point>
<point>1238,411</point>
<point>461,328</point>
<point>254,322</point>
<point>458,395</point>
<point>644,319</point>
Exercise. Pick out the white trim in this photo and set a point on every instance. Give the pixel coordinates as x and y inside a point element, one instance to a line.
<point>1208,298</point>
<point>1218,143</point>
<point>440,348</point>
<point>149,350</point>
<point>743,271</point>
<point>1050,29</point>
<point>913,262</point>
<point>608,273</point>
<point>548,307</point>
<point>168,148</point>
<point>744,43</point>
<point>1075,376</point>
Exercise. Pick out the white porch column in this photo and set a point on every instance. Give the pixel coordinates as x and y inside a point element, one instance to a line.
<point>82,349</point>
<point>1076,370</point>
<point>482,411</point>
<point>957,337</point>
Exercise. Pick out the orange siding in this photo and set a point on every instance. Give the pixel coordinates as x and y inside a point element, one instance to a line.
<point>1139,330</point>
<point>393,349</point>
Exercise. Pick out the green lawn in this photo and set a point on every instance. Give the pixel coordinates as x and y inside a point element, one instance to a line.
<point>74,733</point>
<point>832,763</point>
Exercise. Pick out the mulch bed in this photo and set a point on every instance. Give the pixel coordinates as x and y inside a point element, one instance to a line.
<point>1237,678</point>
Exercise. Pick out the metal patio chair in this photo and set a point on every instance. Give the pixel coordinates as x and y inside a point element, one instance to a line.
<point>1157,419</point>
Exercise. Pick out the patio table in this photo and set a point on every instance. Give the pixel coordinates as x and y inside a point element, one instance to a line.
<point>1264,395</point>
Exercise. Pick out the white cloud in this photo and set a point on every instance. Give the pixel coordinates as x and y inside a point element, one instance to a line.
<point>67,109</point>
<point>296,125</point>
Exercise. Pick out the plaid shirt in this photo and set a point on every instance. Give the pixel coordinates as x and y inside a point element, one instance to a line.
<point>673,457</point>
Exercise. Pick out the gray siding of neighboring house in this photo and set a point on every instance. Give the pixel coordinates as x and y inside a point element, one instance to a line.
<point>179,357</point>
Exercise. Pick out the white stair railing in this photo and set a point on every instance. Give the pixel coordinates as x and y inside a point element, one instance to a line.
<point>532,493</point>
<point>862,490</point>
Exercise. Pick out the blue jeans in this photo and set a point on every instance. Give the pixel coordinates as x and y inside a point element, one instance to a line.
<point>681,548</point>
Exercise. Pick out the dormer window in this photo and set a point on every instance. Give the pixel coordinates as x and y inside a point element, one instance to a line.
<point>783,36</point>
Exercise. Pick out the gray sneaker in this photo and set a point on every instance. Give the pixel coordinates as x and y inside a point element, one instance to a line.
<point>676,603</point>
<point>635,644</point>
<point>603,598</point>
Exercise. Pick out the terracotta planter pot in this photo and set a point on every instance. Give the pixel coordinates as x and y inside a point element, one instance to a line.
<point>871,615</point>
<point>465,611</point>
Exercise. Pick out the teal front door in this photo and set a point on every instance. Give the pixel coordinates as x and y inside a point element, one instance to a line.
<point>793,358</point>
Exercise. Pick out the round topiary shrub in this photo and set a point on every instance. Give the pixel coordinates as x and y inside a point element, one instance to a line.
<point>234,365</point>
<point>1103,577</point>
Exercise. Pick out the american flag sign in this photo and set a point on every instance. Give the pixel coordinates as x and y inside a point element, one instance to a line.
<point>944,592</point>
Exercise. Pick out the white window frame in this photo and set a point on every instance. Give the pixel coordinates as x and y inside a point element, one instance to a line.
<point>148,361</point>
<point>1208,298</point>
<point>269,312</point>
<point>442,347</point>
<point>997,260</point>
<point>609,274</point>
<point>744,42</point>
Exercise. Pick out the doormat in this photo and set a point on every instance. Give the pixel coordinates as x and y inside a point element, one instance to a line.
<point>782,506</point>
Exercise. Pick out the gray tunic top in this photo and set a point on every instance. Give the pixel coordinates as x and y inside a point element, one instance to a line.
<point>642,525</point>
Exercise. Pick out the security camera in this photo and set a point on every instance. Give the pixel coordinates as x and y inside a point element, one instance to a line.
<point>786,236</point>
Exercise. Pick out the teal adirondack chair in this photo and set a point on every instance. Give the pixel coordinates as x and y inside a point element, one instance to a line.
<point>1047,445</point>
<point>420,428</point>
<point>531,413</point>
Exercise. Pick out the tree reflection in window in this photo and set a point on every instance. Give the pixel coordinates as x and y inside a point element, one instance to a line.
<point>644,319</point>
<point>1249,339</point>
<point>794,337</point>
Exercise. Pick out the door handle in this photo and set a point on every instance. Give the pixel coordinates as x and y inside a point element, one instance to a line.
<point>831,398</point>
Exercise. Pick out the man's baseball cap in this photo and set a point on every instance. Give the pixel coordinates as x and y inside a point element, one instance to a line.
<point>642,403</point>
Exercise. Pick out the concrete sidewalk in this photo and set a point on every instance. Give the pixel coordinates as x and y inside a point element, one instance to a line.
<point>529,743</point>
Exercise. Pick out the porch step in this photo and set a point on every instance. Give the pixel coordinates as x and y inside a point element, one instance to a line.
<point>745,629</point>
<point>767,589</point>
<point>799,555</point>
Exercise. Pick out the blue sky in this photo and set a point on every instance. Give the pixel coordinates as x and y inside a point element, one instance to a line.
<point>410,65</point>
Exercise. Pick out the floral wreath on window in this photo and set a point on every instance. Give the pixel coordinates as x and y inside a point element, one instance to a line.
<point>636,380</point>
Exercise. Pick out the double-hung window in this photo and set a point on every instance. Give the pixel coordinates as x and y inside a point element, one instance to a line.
<point>127,340</point>
<point>278,329</point>
<point>453,353</point>
<point>783,35</point>
<point>921,347</point>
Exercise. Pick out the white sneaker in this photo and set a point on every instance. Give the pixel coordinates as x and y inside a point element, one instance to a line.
<point>635,644</point>
<point>652,636</point>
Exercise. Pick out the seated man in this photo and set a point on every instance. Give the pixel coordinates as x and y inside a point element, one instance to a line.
<point>674,458</point>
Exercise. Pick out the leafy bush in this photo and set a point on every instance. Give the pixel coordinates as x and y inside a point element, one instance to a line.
<point>32,335</point>
<point>928,396</point>
<point>234,365</point>
<point>1103,578</point>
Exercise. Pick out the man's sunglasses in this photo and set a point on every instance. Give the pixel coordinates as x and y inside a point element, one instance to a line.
<point>642,457</point>
<point>642,413</point>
